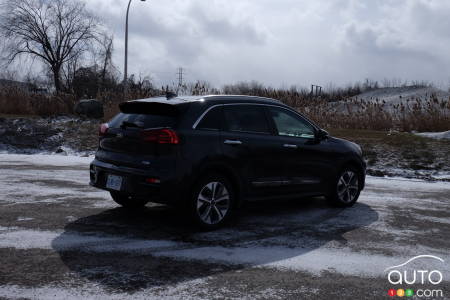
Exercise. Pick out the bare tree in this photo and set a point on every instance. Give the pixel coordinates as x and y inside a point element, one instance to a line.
<point>56,32</point>
<point>107,67</point>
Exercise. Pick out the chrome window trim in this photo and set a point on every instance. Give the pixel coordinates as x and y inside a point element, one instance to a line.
<point>261,104</point>
<point>203,115</point>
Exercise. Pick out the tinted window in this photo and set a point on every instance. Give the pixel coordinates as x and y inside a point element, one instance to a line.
<point>143,120</point>
<point>246,118</point>
<point>212,120</point>
<point>290,124</point>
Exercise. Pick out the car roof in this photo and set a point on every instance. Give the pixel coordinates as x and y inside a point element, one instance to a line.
<point>210,98</point>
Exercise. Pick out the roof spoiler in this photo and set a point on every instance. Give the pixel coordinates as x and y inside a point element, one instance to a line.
<point>154,108</point>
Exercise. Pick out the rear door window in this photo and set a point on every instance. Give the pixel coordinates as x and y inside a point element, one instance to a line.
<point>212,120</point>
<point>246,118</point>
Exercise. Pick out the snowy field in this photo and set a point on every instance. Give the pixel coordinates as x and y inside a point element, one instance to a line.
<point>60,238</point>
<point>399,94</point>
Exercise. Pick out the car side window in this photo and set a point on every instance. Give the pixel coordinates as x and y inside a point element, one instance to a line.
<point>290,124</point>
<point>212,120</point>
<point>246,118</point>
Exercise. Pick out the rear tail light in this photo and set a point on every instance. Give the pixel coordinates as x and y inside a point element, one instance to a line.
<point>152,180</point>
<point>103,129</point>
<point>160,136</point>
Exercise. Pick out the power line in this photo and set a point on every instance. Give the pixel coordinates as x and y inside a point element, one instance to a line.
<point>180,76</point>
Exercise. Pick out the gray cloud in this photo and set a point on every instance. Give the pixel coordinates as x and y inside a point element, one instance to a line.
<point>284,42</point>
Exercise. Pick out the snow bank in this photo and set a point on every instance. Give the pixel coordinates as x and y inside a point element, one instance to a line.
<point>399,94</point>
<point>436,135</point>
<point>45,160</point>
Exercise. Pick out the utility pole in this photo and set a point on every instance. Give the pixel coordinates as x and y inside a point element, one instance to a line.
<point>180,77</point>
<point>317,88</point>
<point>125,71</point>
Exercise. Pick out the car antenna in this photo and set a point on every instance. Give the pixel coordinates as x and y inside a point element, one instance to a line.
<point>170,95</point>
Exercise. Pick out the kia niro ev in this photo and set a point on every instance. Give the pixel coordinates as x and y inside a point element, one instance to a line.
<point>212,153</point>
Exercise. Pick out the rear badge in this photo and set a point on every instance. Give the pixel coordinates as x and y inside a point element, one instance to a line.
<point>145,162</point>
<point>119,135</point>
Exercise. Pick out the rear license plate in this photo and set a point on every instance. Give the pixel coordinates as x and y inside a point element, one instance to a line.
<point>114,182</point>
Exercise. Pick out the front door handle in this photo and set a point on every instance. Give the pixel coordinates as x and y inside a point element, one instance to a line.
<point>232,142</point>
<point>290,146</point>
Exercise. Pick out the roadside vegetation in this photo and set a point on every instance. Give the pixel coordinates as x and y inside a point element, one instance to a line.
<point>347,112</point>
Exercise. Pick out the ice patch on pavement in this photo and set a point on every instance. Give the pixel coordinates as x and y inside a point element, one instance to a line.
<point>313,260</point>
<point>44,160</point>
<point>29,239</point>
<point>184,290</point>
<point>297,250</point>
<point>48,185</point>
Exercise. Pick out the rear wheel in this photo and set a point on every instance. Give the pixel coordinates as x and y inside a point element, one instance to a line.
<point>212,201</point>
<point>346,189</point>
<point>128,201</point>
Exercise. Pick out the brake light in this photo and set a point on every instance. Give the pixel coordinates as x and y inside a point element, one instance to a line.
<point>103,129</point>
<point>152,180</point>
<point>160,136</point>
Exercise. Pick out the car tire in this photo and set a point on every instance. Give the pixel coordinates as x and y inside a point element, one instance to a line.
<point>128,201</point>
<point>212,201</point>
<point>346,188</point>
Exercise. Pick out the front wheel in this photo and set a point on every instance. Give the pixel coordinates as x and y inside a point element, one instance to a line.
<point>212,201</point>
<point>346,189</point>
<point>128,201</point>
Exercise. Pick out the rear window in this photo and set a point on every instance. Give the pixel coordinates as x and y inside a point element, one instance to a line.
<point>143,120</point>
<point>147,115</point>
<point>246,118</point>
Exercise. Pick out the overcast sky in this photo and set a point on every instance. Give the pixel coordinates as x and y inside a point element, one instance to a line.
<point>283,42</point>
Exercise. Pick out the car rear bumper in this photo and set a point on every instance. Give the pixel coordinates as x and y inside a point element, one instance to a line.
<point>133,182</point>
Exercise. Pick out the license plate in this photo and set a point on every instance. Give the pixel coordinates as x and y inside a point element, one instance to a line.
<point>114,182</point>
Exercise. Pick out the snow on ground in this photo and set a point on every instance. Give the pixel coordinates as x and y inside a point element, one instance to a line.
<point>400,94</point>
<point>47,179</point>
<point>182,290</point>
<point>313,260</point>
<point>436,135</point>
<point>44,160</point>
<point>394,220</point>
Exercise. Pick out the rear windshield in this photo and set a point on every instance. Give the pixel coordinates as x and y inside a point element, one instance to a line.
<point>143,121</point>
<point>146,115</point>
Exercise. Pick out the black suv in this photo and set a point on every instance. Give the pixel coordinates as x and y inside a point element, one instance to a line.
<point>211,153</point>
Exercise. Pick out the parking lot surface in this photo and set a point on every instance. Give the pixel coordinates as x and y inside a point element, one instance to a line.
<point>60,238</point>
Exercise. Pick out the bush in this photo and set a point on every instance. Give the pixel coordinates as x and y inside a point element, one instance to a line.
<point>14,100</point>
<point>412,114</point>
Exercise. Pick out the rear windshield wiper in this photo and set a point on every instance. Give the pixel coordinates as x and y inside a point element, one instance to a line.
<point>126,124</point>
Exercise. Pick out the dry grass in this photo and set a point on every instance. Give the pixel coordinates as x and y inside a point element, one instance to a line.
<point>391,153</point>
<point>19,102</point>
<point>412,114</point>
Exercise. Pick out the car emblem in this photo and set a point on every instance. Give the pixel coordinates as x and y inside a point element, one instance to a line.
<point>119,135</point>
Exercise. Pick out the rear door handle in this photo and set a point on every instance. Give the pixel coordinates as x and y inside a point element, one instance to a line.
<point>232,142</point>
<point>290,146</point>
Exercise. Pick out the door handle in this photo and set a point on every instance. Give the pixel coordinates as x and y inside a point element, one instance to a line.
<point>290,146</point>
<point>232,142</point>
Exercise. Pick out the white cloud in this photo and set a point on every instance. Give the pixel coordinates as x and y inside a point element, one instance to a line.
<point>284,41</point>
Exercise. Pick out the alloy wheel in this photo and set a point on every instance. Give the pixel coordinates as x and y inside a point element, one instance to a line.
<point>348,187</point>
<point>213,203</point>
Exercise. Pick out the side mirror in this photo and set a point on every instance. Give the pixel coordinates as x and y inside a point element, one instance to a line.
<point>322,134</point>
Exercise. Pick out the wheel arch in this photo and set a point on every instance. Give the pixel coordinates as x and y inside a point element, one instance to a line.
<point>359,166</point>
<point>224,170</point>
